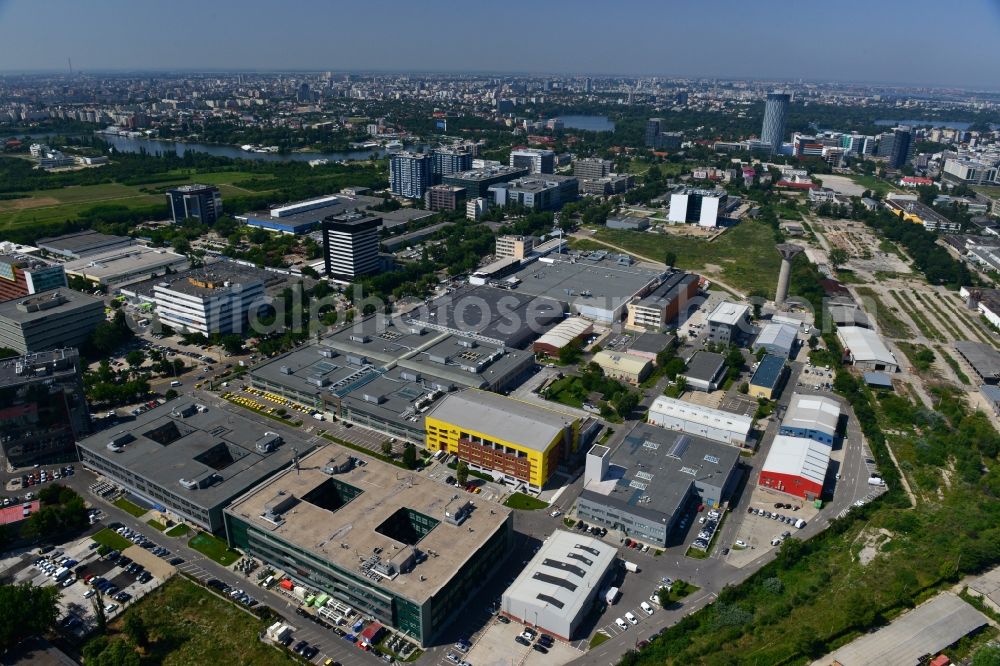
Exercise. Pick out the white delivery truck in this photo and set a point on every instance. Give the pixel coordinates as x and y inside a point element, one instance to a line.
<point>875,481</point>
<point>611,596</point>
<point>631,567</point>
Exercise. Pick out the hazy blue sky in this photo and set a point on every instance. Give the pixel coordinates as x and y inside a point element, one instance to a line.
<point>944,42</point>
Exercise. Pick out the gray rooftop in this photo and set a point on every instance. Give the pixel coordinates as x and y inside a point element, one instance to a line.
<point>82,243</point>
<point>653,468</point>
<point>669,290</point>
<point>585,282</point>
<point>218,271</point>
<point>38,366</point>
<point>178,441</point>
<point>396,396</point>
<point>505,418</point>
<point>48,303</point>
<point>812,412</point>
<point>487,173</point>
<point>651,343</point>
<point>342,204</point>
<point>984,359</point>
<point>705,365</point>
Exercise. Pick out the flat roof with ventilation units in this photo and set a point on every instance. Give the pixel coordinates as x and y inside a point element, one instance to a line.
<point>404,533</point>
<point>190,458</point>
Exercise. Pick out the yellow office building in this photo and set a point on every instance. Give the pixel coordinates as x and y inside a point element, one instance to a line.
<point>515,441</point>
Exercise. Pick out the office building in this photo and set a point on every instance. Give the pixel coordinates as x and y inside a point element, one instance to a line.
<point>82,244</point>
<point>49,320</point>
<point>648,345</point>
<point>627,223</point>
<point>895,146</point>
<point>657,309</point>
<point>772,133</point>
<point>446,161</point>
<point>729,323</point>
<point>644,486</point>
<point>769,378</point>
<point>124,265</point>
<point>410,174</point>
<point>623,366</point>
<point>400,548</point>
<point>445,197</point>
<point>477,182</point>
<point>795,466</point>
<point>350,245</point>
<point>200,202</point>
<point>969,172</point>
<point>189,458</point>
<point>705,371</point>
<point>811,417</point>
<point>517,442</point>
<point>535,160</point>
<point>518,247</point>
<point>657,139</point>
<point>922,214</point>
<point>23,275</point>
<point>536,193</point>
<point>691,205</point>
<point>42,408</point>
<point>776,338</point>
<point>302,217</point>
<point>714,424</point>
<point>562,584</point>
<point>608,185</point>
<point>592,168</point>
<point>865,350</point>
<point>219,298</point>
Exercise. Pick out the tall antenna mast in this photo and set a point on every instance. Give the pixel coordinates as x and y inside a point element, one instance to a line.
<point>70,60</point>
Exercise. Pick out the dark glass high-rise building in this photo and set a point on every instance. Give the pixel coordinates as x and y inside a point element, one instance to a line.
<point>895,146</point>
<point>201,202</point>
<point>446,161</point>
<point>775,114</point>
<point>653,131</point>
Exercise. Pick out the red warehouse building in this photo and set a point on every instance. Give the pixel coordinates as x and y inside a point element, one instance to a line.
<point>796,466</point>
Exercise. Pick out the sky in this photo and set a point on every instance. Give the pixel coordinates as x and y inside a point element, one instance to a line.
<point>951,43</point>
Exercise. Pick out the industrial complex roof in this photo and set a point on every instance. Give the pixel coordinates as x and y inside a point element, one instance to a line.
<point>48,303</point>
<point>303,215</point>
<point>504,418</point>
<point>337,517</point>
<point>728,313</point>
<point>565,332</point>
<point>865,344</point>
<point>123,261</point>
<point>215,272</point>
<point>82,243</point>
<point>714,418</point>
<point>600,283</point>
<point>674,284</point>
<point>798,456</point>
<point>768,372</point>
<point>651,343</point>
<point>185,442</point>
<point>705,366</point>
<point>777,335</point>
<point>652,469</point>
<point>563,573</point>
<point>812,412</point>
<point>985,360</point>
<point>629,363</point>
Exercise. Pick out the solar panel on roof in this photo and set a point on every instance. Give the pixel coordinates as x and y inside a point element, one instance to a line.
<point>712,459</point>
<point>638,485</point>
<point>550,600</point>
<point>679,447</point>
<point>561,582</point>
<point>645,476</point>
<point>651,445</point>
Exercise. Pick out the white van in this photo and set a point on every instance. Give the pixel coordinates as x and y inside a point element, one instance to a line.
<point>175,383</point>
<point>621,624</point>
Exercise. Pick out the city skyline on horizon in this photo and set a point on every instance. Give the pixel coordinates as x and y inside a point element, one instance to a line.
<point>689,42</point>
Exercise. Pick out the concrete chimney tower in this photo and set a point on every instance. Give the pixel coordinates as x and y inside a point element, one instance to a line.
<point>787,252</point>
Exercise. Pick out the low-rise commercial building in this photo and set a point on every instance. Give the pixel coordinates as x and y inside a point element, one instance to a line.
<point>301,217</point>
<point>82,244</point>
<point>919,213</point>
<point>49,320</point>
<point>643,487</point>
<point>664,304</point>
<point>400,548</point>
<point>729,323</point>
<point>517,247</point>
<point>560,586</point>
<point>477,182</point>
<point>42,407</point>
<point>518,442</point>
<point>623,366</point>
<point>561,335</point>
<point>627,223</point>
<point>796,466</point>
<point>124,265</point>
<point>864,348</point>
<point>445,197</point>
<point>777,339</point>
<point>984,360</point>
<point>714,424</point>
<point>649,345</point>
<point>705,371</point>
<point>769,377</point>
<point>811,417</point>
<point>190,459</point>
<point>537,193</point>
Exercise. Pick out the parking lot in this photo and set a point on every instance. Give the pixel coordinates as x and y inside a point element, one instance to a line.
<point>758,532</point>
<point>620,618</point>
<point>738,404</point>
<point>498,646</point>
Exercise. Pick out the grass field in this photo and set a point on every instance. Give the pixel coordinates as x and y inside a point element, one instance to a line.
<point>156,525</point>
<point>111,539</point>
<point>57,205</point>
<point>214,548</point>
<point>129,507</point>
<point>891,325</point>
<point>524,502</point>
<point>872,183</point>
<point>178,531</point>
<point>743,256</point>
<point>188,625</point>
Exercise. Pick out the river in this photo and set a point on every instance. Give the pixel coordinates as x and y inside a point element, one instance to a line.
<point>158,147</point>
<point>588,123</point>
<point>949,124</point>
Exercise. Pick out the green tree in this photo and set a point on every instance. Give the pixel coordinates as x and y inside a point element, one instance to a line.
<point>663,596</point>
<point>135,358</point>
<point>100,617</point>
<point>26,610</point>
<point>987,656</point>
<point>670,258</point>
<point>136,630</point>
<point>232,343</point>
<point>838,257</point>
<point>410,456</point>
<point>387,448</point>
<point>462,473</point>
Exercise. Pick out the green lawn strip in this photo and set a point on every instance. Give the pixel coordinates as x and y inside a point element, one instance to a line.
<point>113,540</point>
<point>944,319</point>
<point>157,525</point>
<point>130,508</point>
<point>524,502</point>
<point>696,553</point>
<point>214,548</point>
<point>918,318</point>
<point>599,638</point>
<point>891,325</point>
<point>178,531</point>
<point>188,624</point>
<point>964,378</point>
<point>745,252</point>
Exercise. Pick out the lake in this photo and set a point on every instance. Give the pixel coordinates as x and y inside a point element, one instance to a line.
<point>159,147</point>
<point>588,123</point>
<point>949,124</point>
